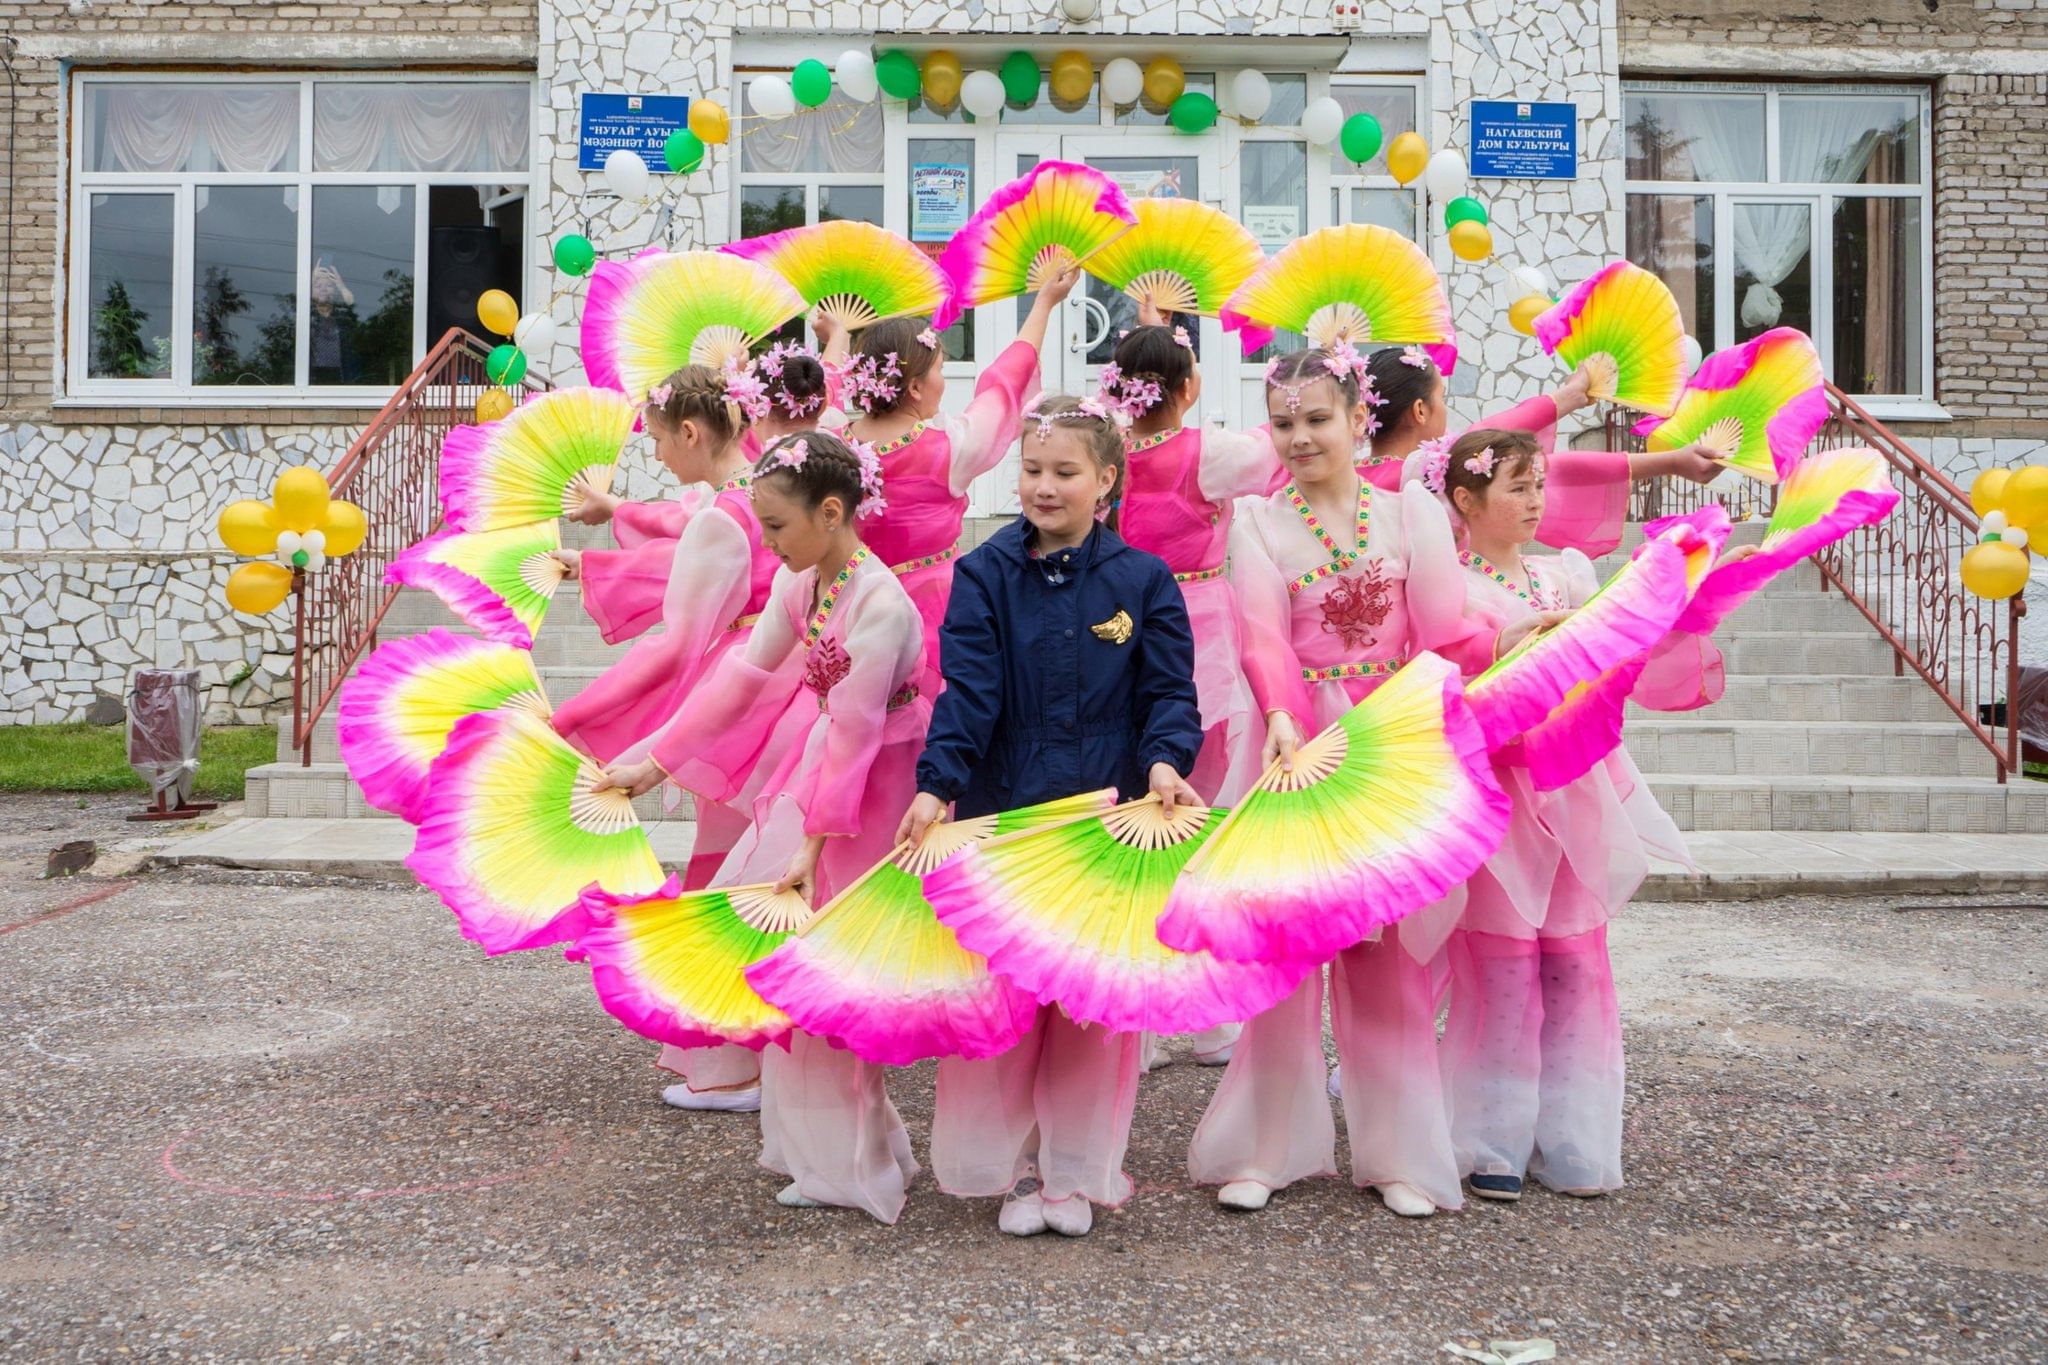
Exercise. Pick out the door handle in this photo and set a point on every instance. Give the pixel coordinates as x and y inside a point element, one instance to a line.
<point>1094,311</point>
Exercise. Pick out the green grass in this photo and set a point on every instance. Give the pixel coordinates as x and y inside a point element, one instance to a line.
<point>77,757</point>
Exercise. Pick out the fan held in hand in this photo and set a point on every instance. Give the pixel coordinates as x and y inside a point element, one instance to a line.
<point>1056,214</point>
<point>1361,285</point>
<point>1183,257</point>
<point>498,582</point>
<point>854,273</point>
<point>1755,406</point>
<point>537,462</point>
<point>1624,326</point>
<point>647,318</point>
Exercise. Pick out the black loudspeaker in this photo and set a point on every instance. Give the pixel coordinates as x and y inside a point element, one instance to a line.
<point>463,262</point>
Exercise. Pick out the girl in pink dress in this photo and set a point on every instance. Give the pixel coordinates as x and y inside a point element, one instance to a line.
<point>839,627</point>
<point>1340,585</point>
<point>894,385</point>
<point>1532,1057</point>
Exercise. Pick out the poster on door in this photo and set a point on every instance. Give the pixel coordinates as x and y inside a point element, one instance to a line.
<point>1275,225</point>
<point>1148,184</point>
<point>938,201</point>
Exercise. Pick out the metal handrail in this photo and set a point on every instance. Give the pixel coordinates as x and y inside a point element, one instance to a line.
<point>1903,574</point>
<point>391,471</point>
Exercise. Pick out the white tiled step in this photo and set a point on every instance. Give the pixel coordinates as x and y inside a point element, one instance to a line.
<point>1742,747</point>
<point>324,791</point>
<point>1801,697</point>
<point>1954,805</point>
<point>1809,652</point>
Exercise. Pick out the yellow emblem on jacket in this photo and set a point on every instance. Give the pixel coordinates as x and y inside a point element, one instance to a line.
<point>1117,629</point>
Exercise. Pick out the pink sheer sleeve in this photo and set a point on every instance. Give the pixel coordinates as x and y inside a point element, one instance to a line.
<point>636,523</point>
<point>1586,500</point>
<point>718,734</point>
<point>1537,416</point>
<point>1237,464</point>
<point>623,589</point>
<point>882,648</point>
<point>986,431</point>
<point>1270,663</point>
<point>1439,613</point>
<point>1684,673</point>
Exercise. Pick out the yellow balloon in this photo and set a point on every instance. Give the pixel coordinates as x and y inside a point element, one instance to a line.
<point>1523,312</point>
<point>942,77</point>
<point>248,527</point>
<point>498,313</point>
<point>2024,499</point>
<point>1164,80</point>
<point>258,588</point>
<point>710,122</point>
<point>1994,570</point>
<point>1070,77</point>
<point>494,403</point>
<point>345,528</point>
<point>1987,488</point>
<point>1407,157</point>
<point>1471,241</point>
<point>300,497</point>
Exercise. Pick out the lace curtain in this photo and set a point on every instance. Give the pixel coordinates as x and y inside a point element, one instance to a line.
<point>840,135</point>
<point>415,127</point>
<point>161,129</point>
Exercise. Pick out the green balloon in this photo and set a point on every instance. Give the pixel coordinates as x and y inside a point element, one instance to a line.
<point>1461,209</point>
<point>1193,112</point>
<point>506,364</point>
<point>574,255</point>
<point>812,82</point>
<point>684,151</point>
<point>300,559</point>
<point>1361,138</point>
<point>899,75</point>
<point>1020,78</point>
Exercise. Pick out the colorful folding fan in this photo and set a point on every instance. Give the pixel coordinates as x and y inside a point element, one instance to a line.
<point>1360,284</point>
<point>513,833</point>
<point>1382,813</point>
<point>1826,496</point>
<point>1057,214</point>
<point>1583,729</point>
<point>879,975</point>
<point>395,711</point>
<point>854,273</point>
<point>647,318</point>
<point>1070,913</point>
<point>671,965</point>
<point>1624,326</point>
<point>536,463</point>
<point>1632,611</point>
<point>1184,256</point>
<point>1755,405</point>
<point>499,582</point>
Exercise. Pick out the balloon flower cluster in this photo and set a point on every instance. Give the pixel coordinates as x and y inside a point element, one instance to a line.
<point>296,532</point>
<point>2013,505</point>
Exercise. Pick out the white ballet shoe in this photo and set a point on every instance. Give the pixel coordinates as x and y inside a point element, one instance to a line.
<point>1220,1057</point>
<point>1335,1085</point>
<point>1069,1217</point>
<point>1249,1196</point>
<point>1023,1213</point>
<point>680,1096</point>
<point>790,1197</point>
<point>1221,1043</point>
<point>1405,1200</point>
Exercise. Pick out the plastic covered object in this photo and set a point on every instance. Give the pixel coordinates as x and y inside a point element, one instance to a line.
<point>165,709</point>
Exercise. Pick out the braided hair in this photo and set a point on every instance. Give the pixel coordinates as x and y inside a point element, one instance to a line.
<point>812,466</point>
<point>1149,366</point>
<point>697,393</point>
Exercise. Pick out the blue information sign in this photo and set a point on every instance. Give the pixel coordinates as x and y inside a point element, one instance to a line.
<point>634,123</point>
<point>1516,141</point>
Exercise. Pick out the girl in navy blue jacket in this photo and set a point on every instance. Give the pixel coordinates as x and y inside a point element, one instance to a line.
<point>1069,667</point>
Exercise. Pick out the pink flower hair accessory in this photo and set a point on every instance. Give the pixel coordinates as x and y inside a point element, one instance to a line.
<point>1436,464</point>
<point>1481,464</point>
<point>929,339</point>
<point>1343,359</point>
<point>745,390</point>
<point>1414,357</point>
<point>872,504</point>
<point>658,396</point>
<point>1182,339</point>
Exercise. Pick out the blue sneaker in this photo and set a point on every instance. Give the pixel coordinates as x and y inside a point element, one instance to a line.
<point>1506,1188</point>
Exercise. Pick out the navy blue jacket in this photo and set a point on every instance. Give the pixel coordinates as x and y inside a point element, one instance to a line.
<point>1063,675</point>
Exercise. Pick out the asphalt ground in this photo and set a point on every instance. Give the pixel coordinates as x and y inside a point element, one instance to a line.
<point>267,1116</point>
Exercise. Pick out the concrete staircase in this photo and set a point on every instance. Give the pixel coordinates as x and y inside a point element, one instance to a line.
<point>1815,733</point>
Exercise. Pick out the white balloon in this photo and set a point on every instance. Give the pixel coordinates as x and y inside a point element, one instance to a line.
<point>982,94</point>
<point>1251,95</point>
<point>290,543</point>
<point>314,560</point>
<point>1123,80</point>
<point>534,334</point>
<point>771,97</point>
<point>2014,536</point>
<point>1322,121</point>
<point>314,542</point>
<point>1445,176</point>
<point>1533,280</point>
<point>854,75</point>
<point>626,173</point>
<point>1993,521</point>
<point>1693,354</point>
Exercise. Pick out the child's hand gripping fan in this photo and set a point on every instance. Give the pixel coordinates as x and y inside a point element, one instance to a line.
<point>1359,285</point>
<point>1624,326</point>
<point>1755,406</point>
<point>878,974</point>
<point>1382,813</point>
<point>514,833</point>
<point>1069,913</point>
<point>498,582</point>
<point>537,462</point>
<point>1057,214</point>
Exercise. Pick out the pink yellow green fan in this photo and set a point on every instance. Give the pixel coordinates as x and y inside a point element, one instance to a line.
<point>1057,214</point>
<point>671,965</point>
<point>514,832</point>
<point>647,318</point>
<point>499,582</point>
<point>1359,284</point>
<point>1755,406</point>
<point>1624,326</point>
<point>1184,256</point>
<point>853,272</point>
<point>1382,813</point>
<point>1069,912</point>
<point>536,463</point>
<point>878,974</point>
<point>394,713</point>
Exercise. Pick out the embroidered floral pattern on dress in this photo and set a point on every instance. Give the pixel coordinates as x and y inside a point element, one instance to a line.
<point>825,665</point>
<point>1357,605</point>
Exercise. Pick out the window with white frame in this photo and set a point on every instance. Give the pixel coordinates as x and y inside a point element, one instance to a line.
<point>288,238</point>
<point>1794,206</point>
